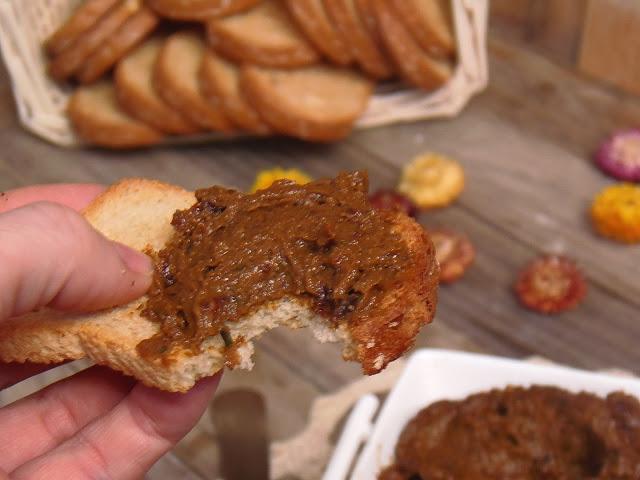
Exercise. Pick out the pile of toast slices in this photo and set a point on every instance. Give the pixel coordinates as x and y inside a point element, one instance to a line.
<point>146,70</point>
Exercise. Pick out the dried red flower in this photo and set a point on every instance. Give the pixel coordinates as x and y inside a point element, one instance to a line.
<point>551,284</point>
<point>454,251</point>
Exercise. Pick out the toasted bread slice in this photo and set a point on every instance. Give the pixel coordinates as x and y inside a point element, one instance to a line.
<point>365,47</point>
<point>137,95</point>
<point>265,35</point>
<point>416,65</point>
<point>200,9</point>
<point>85,17</point>
<point>130,34</point>
<point>220,81</point>
<point>177,80</point>
<point>431,23</point>
<point>138,213</point>
<point>318,103</point>
<point>98,119</point>
<point>71,59</point>
<point>313,20</point>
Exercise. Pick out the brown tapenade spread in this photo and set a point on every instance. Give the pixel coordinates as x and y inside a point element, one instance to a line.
<point>537,433</point>
<point>232,252</point>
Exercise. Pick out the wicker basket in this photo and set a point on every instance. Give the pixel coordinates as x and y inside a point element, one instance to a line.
<point>41,103</point>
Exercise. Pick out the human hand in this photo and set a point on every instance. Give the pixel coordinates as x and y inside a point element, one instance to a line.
<point>97,423</point>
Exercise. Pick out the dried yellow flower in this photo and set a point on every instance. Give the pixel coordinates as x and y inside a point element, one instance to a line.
<point>432,180</point>
<point>616,212</point>
<point>266,177</point>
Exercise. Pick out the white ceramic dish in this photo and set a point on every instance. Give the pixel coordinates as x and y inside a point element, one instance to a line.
<point>433,375</point>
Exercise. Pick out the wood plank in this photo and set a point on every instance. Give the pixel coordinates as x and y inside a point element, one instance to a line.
<point>610,42</point>
<point>550,27</point>
<point>554,104</point>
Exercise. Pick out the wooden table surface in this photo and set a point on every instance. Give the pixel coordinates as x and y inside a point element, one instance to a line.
<point>525,145</point>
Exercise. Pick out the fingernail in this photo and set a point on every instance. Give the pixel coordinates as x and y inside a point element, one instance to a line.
<point>135,261</point>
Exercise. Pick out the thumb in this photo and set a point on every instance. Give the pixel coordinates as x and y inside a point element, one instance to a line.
<point>51,256</point>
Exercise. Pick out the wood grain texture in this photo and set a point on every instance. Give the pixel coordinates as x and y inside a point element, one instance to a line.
<point>610,43</point>
<point>526,146</point>
<point>553,27</point>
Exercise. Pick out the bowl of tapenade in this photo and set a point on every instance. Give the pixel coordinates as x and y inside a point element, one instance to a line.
<point>460,416</point>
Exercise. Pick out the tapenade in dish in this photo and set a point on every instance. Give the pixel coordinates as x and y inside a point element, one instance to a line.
<point>522,433</point>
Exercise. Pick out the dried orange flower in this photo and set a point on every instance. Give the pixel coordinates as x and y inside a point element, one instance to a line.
<point>266,177</point>
<point>432,180</point>
<point>616,213</point>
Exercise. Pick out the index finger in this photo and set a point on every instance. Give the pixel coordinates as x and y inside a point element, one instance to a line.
<point>76,196</point>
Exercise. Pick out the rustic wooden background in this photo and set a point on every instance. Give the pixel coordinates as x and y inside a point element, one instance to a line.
<point>600,38</point>
<point>526,146</point>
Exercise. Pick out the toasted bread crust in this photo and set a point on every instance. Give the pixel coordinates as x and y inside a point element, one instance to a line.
<point>407,309</point>
<point>416,65</point>
<point>364,45</point>
<point>180,86</point>
<point>137,96</point>
<point>220,81</point>
<point>71,59</point>
<point>265,35</point>
<point>98,120</point>
<point>130,34</point>
<point>138,212</point>
<point>433,29</point>
<point>85,17</point>
<point>313,20</point>
<point>268,93</point>
<point>200,9</point>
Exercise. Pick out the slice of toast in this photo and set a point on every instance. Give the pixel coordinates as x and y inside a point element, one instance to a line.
<point>319,103</point>
<point>130,34</point>
<point>98,119</point>
<point>84,17</point>
<point>177,79</point>
<point>220,81</point>
<point>265,35</point>
<point>138,212</point>
<point>416,65</point>
<point>71,59</point>
<point>313,20</point>
<point>364,44</point>
<point>137,95</point>
<point>431,23</point>
<point>200,10</point>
